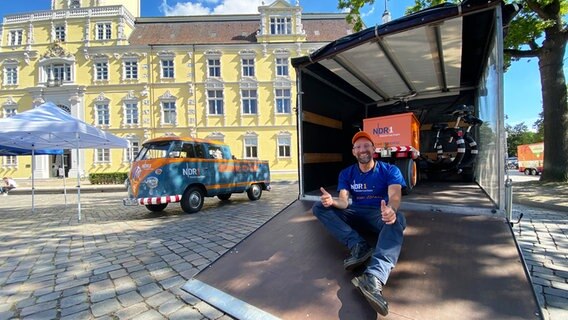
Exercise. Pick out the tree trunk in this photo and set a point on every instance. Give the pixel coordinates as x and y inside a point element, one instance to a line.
<point>555,106</point>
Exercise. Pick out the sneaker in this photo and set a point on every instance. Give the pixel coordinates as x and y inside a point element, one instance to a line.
<point>5,194</point>
<point>359,254</point>
<point>372,290</point>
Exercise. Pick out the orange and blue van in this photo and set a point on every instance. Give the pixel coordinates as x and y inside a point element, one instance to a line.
<point>186,170</point>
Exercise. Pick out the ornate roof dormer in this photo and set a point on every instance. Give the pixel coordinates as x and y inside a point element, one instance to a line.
<point>281,21</point>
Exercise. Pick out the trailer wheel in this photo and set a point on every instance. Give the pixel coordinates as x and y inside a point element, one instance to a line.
<point>254,192</point>
<point>192,200</point>
<point>534,172</point>
<point>156,207</point>
<point>224,196</point>
<point>409,173</point>
<point>527,172</point>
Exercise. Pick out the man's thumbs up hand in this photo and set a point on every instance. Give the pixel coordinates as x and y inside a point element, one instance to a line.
<point>388,214</point>
<point>326,198</point>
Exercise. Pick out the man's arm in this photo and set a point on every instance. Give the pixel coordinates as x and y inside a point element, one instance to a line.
<point>395,195</point>
<point>341,203</point>
<point>388,212</point>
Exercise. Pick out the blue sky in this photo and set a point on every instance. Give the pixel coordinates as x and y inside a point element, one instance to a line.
<point>523,101</point>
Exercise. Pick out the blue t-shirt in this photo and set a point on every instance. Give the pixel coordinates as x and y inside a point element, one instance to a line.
<point>369,188</point>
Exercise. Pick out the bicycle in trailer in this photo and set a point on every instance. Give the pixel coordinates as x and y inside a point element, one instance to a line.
<point>456,148</point>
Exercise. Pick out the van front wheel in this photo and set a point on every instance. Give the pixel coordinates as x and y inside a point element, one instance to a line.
<point>192,200</point>
<point>254,192</point>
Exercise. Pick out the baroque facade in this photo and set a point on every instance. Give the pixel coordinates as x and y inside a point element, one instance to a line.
<point>224,77</point>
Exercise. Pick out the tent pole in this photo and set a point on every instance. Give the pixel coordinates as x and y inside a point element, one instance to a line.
<point>64,186</point>
<point>78,179</point>
<point>33,180</point>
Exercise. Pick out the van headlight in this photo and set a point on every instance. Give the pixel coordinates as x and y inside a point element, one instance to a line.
<point>151,182</point>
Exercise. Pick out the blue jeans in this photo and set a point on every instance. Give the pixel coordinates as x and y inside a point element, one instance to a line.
<point>340,224</point>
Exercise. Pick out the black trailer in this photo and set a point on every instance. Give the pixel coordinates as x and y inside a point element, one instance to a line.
<point>460,259</point>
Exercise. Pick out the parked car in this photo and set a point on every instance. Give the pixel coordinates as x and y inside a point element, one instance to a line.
<point>512,163</point>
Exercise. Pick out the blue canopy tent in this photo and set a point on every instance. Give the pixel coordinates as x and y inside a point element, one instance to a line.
<point>13,151</point>
<point>49,127</point>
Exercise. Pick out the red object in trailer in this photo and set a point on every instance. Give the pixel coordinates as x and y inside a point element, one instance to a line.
<point>531,158</point>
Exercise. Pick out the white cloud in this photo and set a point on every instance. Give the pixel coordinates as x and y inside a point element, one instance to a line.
<point>204,7</point>
<point>237,6</point>
<point>184,9</point>
<point>368,13</point>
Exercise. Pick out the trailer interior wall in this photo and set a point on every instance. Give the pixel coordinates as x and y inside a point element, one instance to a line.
<point>490,166</point>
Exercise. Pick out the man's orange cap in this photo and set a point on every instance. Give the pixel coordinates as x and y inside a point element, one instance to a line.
<point>362,134</point>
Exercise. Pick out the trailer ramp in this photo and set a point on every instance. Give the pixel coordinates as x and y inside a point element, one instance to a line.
<point>451,267</point>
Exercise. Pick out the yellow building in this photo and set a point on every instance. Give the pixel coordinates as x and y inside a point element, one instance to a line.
<point>226,77</point>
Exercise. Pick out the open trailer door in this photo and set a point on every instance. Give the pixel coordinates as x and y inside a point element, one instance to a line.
<point>455,263</point>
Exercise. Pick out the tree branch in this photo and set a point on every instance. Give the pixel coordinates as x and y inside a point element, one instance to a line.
<point>538,9</point>
<point>522,53</point>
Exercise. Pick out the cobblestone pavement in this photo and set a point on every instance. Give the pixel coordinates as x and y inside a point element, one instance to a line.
<point>127,263</point>
<point>543,238</point>
<point>118,262</point>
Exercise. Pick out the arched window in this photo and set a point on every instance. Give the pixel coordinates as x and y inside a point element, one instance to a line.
<point>75,4</point>
<point>64,108</point>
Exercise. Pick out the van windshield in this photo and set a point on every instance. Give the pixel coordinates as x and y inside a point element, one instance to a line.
<point>154,150</point>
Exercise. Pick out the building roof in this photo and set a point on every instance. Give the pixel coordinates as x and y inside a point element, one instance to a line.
<point>227,29</point>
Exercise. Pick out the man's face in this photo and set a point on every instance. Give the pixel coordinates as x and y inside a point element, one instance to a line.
<point>363,150</point>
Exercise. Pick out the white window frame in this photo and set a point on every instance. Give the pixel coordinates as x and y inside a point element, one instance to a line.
<point>130,69</point>
<point>249,97</point>
<point>282,66</point>
<point>102,114</point>
<point>103,31</point>
<point>169,68</point>
<point>10,110</point>
<point>283,94</point>
<point>15,37</point>
<point>65,67</point>
<point>102,155</point>
<point>218,136</point>
<point>250,144</point>
<point>214,67</point>
<point>10,161</point>
<point>134,146</point>
<point>280,25</point>
<point>215,102</point>
<point>170,105</point>
<point>11,74</point>
<point>284,144</point>
<point>60,32</point>
<point>129,119</point>
<point>101,70</point>
<point>248,67</point>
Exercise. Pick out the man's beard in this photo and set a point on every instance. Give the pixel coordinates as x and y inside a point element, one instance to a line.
<point>364,157</point>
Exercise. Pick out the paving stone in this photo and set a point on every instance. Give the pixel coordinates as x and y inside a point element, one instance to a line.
<point>160,298</point>
<point>149,315</point>
<point>46,314</point>
<point>73,300</point>
<point>105,307</point>
<point>131,311</point>
<point>172,282</point>
<point>149,290</point>
<point>170,307</point>
<point>75,309</point>
<point>83,315</point>
<point>38,308</point>
<point>130,298</point>
<point>207,310</point>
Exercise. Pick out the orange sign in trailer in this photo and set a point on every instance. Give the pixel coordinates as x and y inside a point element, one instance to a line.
<point>531,158</point>
<point>395,130</point>
<point>397,140</point>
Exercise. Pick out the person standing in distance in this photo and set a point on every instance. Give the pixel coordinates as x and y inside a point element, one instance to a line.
<point>376,190</point>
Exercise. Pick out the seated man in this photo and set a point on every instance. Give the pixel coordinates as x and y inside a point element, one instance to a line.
<point>375,189</point>
<point>9,184</point>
